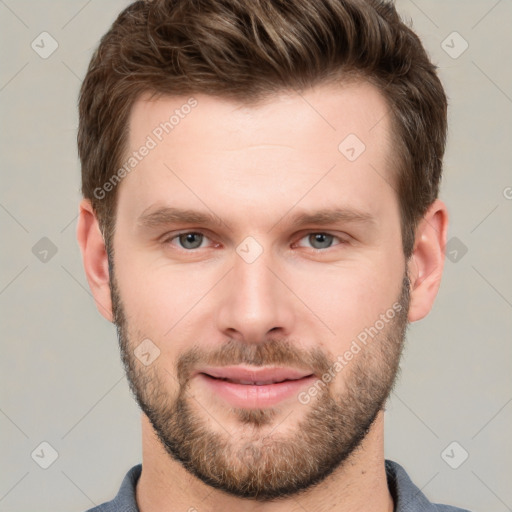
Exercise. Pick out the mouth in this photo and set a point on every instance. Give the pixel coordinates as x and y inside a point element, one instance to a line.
<point>254,387</point>
<point>255,376</point>
<point>251,382</point>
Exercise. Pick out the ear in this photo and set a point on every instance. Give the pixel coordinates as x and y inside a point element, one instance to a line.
<point>427,260</point>
<point>94,256</point>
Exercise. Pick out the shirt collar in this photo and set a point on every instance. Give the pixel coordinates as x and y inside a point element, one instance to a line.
<point>406,495</point>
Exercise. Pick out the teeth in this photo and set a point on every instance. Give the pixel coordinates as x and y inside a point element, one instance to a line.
<point>252,382</point>
<point>257,383</point>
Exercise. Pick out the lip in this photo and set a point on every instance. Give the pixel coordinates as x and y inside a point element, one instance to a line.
<point>275,384</point>
<point>264,375</point>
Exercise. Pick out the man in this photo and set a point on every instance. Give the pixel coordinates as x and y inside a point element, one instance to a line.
<point>260,220</point>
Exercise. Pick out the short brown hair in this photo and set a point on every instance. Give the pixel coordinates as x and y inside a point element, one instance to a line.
<point>248,49</point>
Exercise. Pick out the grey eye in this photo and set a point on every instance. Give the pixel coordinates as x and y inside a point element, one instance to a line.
<point>320,240</point>
<point>191,240</point>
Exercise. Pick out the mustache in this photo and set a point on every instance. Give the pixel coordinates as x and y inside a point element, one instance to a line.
<point>272,352</point>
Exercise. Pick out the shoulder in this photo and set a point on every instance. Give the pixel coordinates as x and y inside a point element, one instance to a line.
<point>407,496</point>
<point>125,498</point>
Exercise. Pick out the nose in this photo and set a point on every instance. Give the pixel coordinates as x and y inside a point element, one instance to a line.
<point>254,302</point>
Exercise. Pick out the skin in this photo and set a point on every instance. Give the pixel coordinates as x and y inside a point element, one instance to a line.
<point>255,167</point>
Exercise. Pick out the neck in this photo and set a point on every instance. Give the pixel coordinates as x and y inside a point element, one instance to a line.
<point>359,485</point>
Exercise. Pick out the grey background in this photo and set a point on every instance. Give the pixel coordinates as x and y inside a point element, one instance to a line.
<point>61,379</point>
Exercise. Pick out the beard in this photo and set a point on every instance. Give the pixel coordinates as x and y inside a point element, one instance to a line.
<point>250,464</point>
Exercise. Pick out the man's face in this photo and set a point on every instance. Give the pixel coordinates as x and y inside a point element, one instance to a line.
<point>322,300</point>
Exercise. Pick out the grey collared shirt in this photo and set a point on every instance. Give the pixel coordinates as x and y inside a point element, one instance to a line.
<point>407,497</point>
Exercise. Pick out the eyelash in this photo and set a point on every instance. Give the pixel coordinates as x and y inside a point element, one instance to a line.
<point>341,241</point>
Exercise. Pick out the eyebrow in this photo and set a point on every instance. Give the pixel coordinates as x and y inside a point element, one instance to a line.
<point>332,216</point>
<point>171,215</point>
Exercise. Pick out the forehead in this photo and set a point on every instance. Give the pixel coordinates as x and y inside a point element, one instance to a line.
<point>330,109</point>
<point>203,145</point>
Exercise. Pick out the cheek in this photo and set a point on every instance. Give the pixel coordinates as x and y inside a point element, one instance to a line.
<point>160,300</point>
<point>348,299</point>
